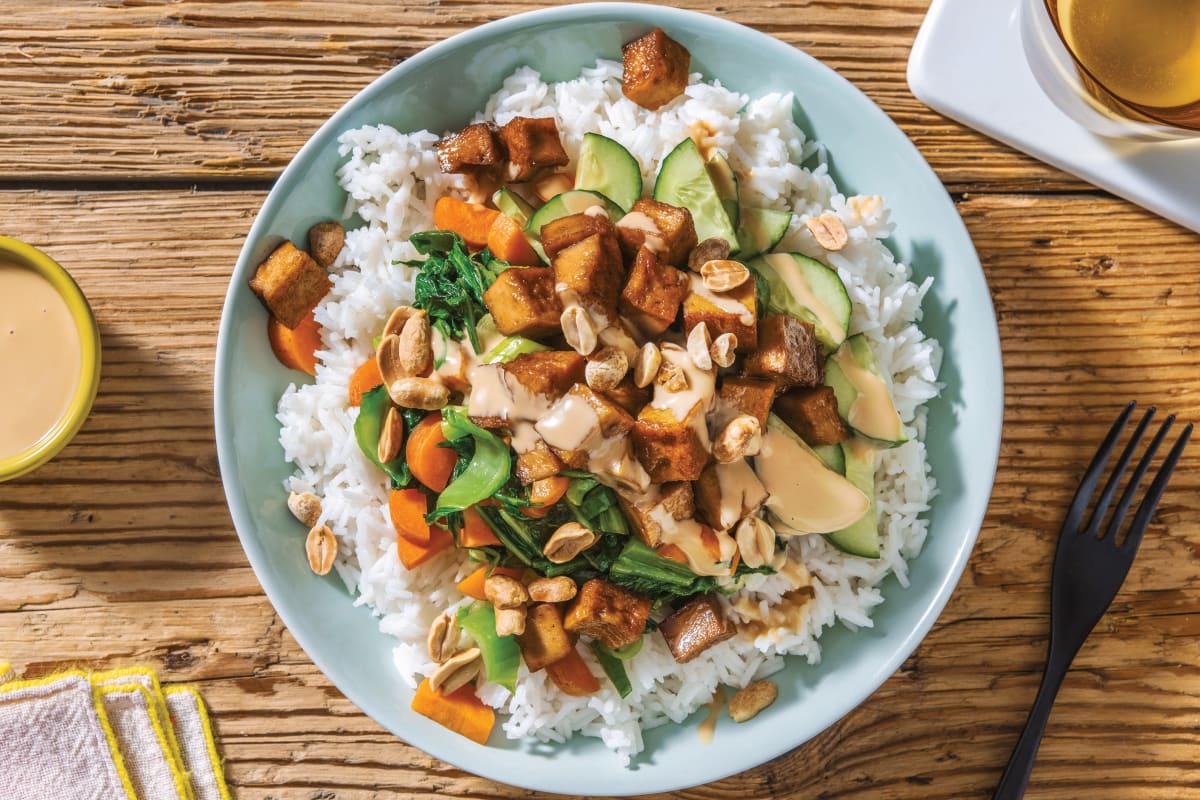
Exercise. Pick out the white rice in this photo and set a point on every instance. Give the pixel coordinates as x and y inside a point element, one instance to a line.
<point>392,180</point>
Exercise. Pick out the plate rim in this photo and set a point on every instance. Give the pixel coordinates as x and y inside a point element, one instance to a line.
<point>596,11</point>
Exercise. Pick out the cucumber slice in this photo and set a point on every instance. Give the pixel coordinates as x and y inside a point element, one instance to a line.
<point>684,181</point>
<point>806,289</point>
<point>760,230</point>
<point>725,181</point>
<point>513,205</point>
<point>833,457</point>
<point>862,537</point>
<point>806,496</point>
<point>575,201</point>
<point>511,347</point>
<point>862,394</point>
<point>606,167</point>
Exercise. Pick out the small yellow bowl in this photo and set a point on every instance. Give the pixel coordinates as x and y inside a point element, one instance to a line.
<point>55,439</point>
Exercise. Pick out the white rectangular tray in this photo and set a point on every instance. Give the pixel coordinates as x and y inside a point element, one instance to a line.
<point>969,63</point>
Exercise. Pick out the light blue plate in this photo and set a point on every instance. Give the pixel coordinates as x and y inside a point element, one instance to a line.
<point>439,89</point>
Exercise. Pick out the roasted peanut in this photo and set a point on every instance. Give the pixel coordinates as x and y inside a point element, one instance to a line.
<point>457,671</point>
<point>552,590</point>
<point>510,621</point>
<point>606,369</point>
<point>305,507</point>
<point>724,350</point>
<point>321,548</point>
<point>755,541</point>
<point>422,393</point>
<point>578,329</point>
<point>503,591</point>
<point>748,701</point>
<point>698,343</point>
<point>442,641</point>
<point>391,436</point>
<point>741,437</point>
<point>714,248</point>
<point>829,231</point>
<point>645,368</point>
<point>568,541</point>
<point>724,275</point>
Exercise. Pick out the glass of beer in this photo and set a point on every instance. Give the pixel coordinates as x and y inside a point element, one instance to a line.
<point>1122,68</point>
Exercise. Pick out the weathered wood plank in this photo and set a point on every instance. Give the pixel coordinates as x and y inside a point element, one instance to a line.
<point>217,90</point>
<point>1097,303</point>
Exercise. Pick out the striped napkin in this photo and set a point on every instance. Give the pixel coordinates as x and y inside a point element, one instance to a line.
<point>115,735</point>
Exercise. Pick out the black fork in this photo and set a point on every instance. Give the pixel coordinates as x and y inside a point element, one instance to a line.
<point>1088,570</point>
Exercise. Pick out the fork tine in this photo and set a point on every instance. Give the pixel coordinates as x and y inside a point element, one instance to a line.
<point>1141,520</point>
<point>1094,471</point>
<point>1114,479</point>
<point>1135,480</point>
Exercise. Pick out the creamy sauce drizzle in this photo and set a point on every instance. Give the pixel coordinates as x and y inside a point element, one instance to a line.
<point>636,220</point>
<point>721,301</point>
<point>741,492</point>
<point>872,412</point>
<point>689,536</point>
<point>708,725</point>
<point>40,353</point>
<point>785,267</point>
<point>700,392</point>
<point>807,496</point>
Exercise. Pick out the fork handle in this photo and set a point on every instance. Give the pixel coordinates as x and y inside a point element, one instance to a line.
<point>1020,764</point>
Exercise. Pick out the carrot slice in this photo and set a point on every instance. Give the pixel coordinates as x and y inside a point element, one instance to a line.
<point>364,379</point>
<point>471,221</point>
<point>572,676</point>
<point>547,492</point>
<point>506,240</point>
<point>430,464</point>
<point>460,711</point>
<point>472,585</point>
<point>414,555</point>
<point>672,552</point>
<point>476,532</point>
<point>407,508</point>
<point>296,347</point>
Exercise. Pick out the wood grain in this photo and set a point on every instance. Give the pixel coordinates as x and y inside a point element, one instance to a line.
<point>120,551</point>
<point>213,91</point>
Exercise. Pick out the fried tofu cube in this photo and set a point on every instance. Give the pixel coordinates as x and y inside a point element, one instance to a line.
<point>747,396</point>
<point>549,373</point>
<point>571,459</point>
<point>788,353</point>
<point>614,421</point>
<point>545,640</point>
<point>813,413</point>
<point>606,612</point>
<point>726,493</point>
<point>533,146</point>
<point>522,302</point>
<point>627,395</point>
<point>655,69</point>
<point>290,284</point>
<point>652,295</point>
<point>557,235</point>
<point>668,230</point>
<point>735,312</point>
<point>670,449</point>
<point>674,498</point>
<point>475,149</point>
<point>695,627</point>
<point>591,272</point>
<point>537,463</point>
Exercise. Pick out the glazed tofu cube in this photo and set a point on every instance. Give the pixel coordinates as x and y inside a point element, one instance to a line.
<point>674,498</point>
<point>290,284</point>
<point>655,69</point>
<point>670,449</point>
<point>533,146</point>
<point>591,272</point>
<point>628,396</point>
<point>725,493</point>
<point>788,353</point>
<point>733,312</point>
<point>614,421</point>
<point>522,302</point>
<point>652,294</point>
<point>608,613</point>
<point>557,235</point>
<point>813,414</point>
<point>747,396</point>
<point>695,627</point>
<point>668,230</point>
<point>537,463</point>
<point>571,459</point>
<point>476,148</point>
<point>550,373</point>
<point>545,640</point>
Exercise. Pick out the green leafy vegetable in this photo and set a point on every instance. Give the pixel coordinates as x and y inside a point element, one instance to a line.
<point>488,468</point>
<point>501,654</point>
<point>613,668</point>
<point>451,283</point>
<point>627,652</point>
<point>367,427</point>
<point>595,506</point>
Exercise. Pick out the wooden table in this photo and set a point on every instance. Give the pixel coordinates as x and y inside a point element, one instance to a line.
<point>137,141</point>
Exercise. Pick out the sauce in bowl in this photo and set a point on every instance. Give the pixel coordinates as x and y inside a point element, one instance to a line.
<point>40,356</point>
<point>49,354</point>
